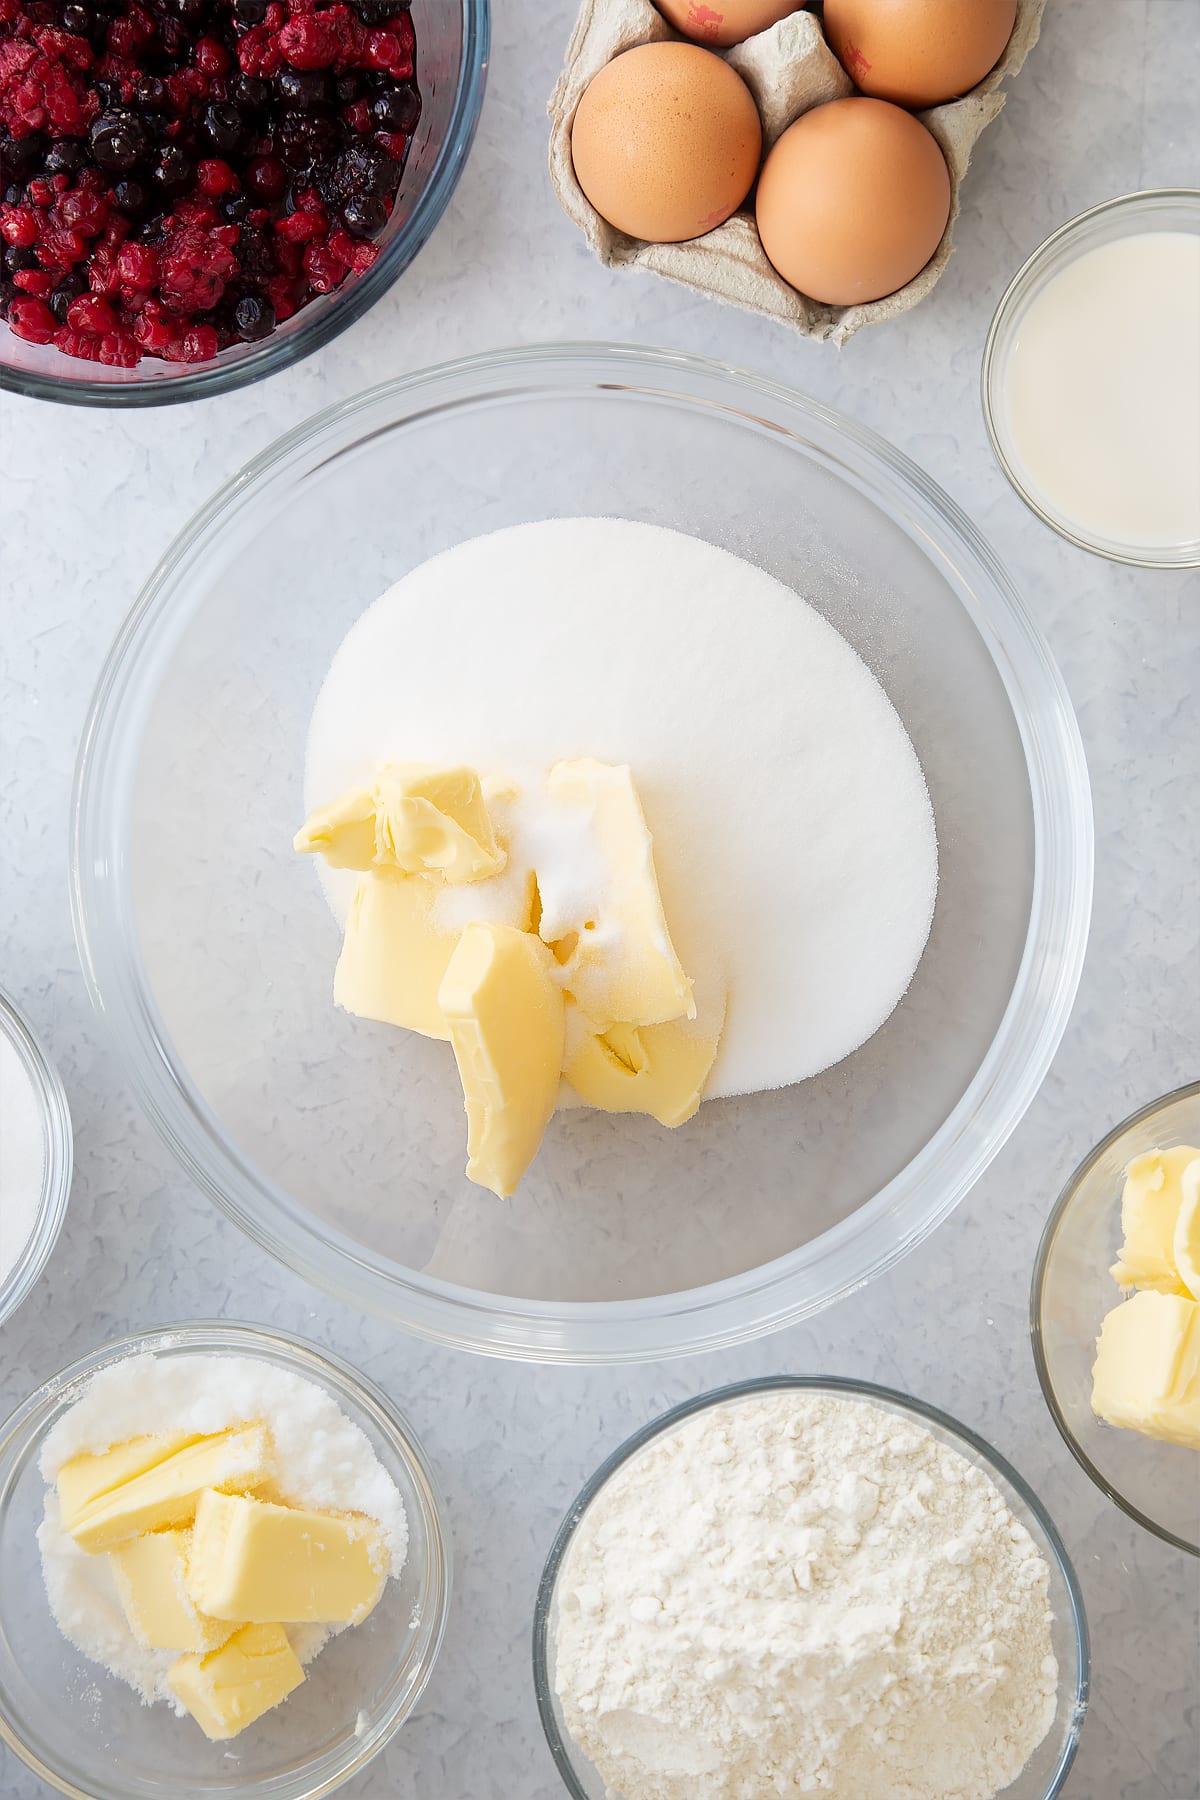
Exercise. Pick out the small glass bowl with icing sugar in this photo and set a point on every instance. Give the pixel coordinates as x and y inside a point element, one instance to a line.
<point>1114,1314</point>
<point>87,1731</point>
<point>1091,380</point>
<point>337,1141</point>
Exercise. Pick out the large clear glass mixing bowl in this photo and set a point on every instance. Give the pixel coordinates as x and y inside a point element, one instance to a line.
<point>339,1145</point>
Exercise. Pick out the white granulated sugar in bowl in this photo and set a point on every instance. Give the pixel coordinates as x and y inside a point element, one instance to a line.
<point>793,834</point>
<point>322,1460</point>
<point>795,1593</point>
<point>22,1157</point>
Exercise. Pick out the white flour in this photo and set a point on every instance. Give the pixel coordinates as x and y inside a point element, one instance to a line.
<point>22,1157</point>
<point>793,835</point>
<point>796,1594</point>
<point>322,1460</point>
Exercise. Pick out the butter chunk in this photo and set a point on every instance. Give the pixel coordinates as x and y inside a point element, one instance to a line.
<point>1150,1207</point>
<point>344,833</point>
<point>1146,1376</point>
<point>257,1561</point>
<point>434,821</point>
<point>151,1577</point>
<point>166,1495</point>
<point>417,818</point>
<point>504,1011</point>
<point>656,1069</point>
<point>89,1475</point>
<point>394,954</point>
<point>229,1688</point>
<point>608,925</point>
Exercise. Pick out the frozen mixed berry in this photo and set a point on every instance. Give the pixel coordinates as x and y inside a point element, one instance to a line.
<point>180,175</point>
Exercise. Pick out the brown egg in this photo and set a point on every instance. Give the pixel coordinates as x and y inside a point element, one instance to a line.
<point>918,52</point>
<point>666,142</point>
<point>725,22</point>
<point>852,201</point>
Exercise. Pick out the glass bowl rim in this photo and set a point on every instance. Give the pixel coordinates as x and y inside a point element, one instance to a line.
<point>1190,1090</point>
<point>27,1423</point>
<point>276,353</point>
<point>1184,556</point>
<point>16,1286</point>
<point>926,1190</point>
<point>837,1385</point>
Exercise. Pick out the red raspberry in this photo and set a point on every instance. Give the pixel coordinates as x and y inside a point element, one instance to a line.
<point>77,343</point>
<point>195,271</point>
<point>310,43</point>
<point>303,227</point>
<point>119,350</point>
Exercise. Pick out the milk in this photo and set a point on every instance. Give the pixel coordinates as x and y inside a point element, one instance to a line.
<point>1101,392</point>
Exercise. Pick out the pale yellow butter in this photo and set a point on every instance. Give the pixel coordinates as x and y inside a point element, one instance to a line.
<point>656,1069</point>
<point>417,819</point>
<point>1150,1207</point>
<point>394,954</point>
<point>260,1562</point>
<point>1146,1376</point>
<point>89,1475</point>
<point>166,1494</point>
<point>229,1688</point>
<point>151,1577</point>
<point>616,953</point>
<point>504,1011</point>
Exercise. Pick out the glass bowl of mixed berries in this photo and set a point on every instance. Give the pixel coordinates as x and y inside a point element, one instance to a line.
<point>194,193</point>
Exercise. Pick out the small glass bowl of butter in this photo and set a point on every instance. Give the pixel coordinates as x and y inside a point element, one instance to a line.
<point>1107,1273</point>
<point>88,1734</point>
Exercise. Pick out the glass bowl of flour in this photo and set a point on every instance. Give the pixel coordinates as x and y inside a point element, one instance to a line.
<point>800,1583</point>
<point>35,1157</point>
<point>79,1720</point>
<point>851,1109</point>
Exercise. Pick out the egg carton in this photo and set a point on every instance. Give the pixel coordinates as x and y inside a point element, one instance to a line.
<point>789,69</point>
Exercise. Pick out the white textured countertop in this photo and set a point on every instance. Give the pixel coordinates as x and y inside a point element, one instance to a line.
<point>88,500</point>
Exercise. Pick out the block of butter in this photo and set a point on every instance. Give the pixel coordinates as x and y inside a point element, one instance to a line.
<point>251,1559</point>
<point>164,1493</point>
<point>417,818</point>
<point>504,1011</point>
<point>229,1688</point>
<point>607,923</point>
<point>394,954</point>
<point>87,1476</point>
<point>1146,1376</point>
<point>1150,1207</point>
<point>655,1069</point>
<point>151,1577</point>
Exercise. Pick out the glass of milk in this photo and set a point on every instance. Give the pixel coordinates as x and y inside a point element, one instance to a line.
<point>1091,380</point>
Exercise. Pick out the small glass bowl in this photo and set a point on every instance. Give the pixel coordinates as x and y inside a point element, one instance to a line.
<point>57,1160</point>
<point>1046,1771</point>
<point>89,1735</point>
<point>452,59</point>
<point>1156,209</point>
<point>1157,1484</point>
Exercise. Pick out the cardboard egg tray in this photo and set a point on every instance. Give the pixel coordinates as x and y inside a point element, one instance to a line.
<point>789,69</point>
